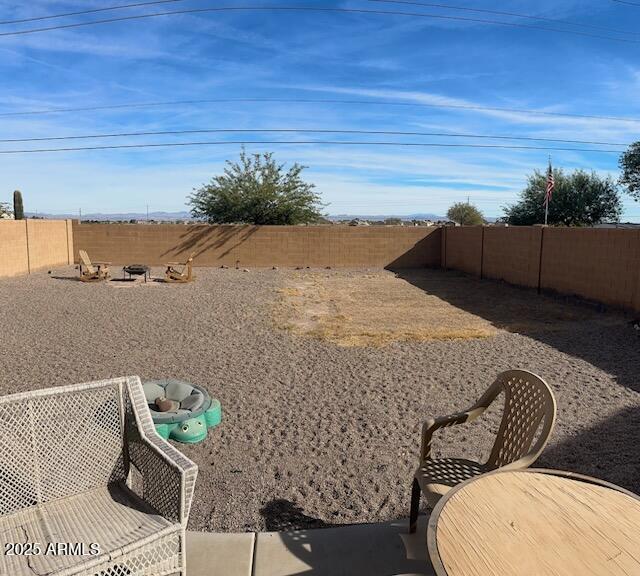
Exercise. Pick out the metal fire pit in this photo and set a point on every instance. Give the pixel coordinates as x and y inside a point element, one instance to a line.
<point>136,270</point>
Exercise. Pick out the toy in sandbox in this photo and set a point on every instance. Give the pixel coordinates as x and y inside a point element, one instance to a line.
<point>180,410</point>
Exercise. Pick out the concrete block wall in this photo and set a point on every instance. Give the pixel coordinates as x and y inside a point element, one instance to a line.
<point>48,243</point>
<point>69,229</point>
<point>261,246</point>
<point>512,254</point>
<point>14,255</point>
<point>28,245</point>
<point>598,264</point>
<point>463,249</point>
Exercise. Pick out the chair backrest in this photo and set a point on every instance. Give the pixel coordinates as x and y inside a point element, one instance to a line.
<point>529,404</point>
<point>188,271</point>
<point>60,442</point>
<point>86,261</point>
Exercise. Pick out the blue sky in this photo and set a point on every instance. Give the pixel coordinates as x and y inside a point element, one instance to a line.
<point>381,59</point>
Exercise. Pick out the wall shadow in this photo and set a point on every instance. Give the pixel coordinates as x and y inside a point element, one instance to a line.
<point>596,451</point>
<point>425,252</point>
<point>382,549</point>
<point>201,238</point>
<point>608,449</point>
<point>605,339</point>
<point>280,514</point>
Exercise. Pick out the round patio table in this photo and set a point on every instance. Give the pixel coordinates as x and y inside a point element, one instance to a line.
<point>534,523</point>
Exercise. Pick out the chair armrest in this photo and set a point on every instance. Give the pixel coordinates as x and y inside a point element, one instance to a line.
<point>103,263</point>
<point>168,476</point>
<point>432,424</point>
<point>176,264</point>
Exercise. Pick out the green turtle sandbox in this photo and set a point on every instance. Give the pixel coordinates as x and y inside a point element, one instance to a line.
<point>194,411</point>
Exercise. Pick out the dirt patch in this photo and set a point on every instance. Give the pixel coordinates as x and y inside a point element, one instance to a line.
<point>371,310</point>
<point>378,308</point>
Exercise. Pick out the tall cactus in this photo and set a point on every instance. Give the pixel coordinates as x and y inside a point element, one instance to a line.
<point>18,208</point>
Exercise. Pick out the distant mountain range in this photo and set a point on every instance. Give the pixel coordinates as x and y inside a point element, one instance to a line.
<point>125,216</point>
<point>184,215</point>
<point>417,216</point>
<point>119,216</point>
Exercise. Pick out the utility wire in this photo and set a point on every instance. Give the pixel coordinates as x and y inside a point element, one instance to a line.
<point>628,3</point>
<point>317,101</point>
<point>52,16</point>
<point>514,14</point>
<point>299,142</point>
<point>430,5</point>
<point>314,9</point>
<point>309,131</point>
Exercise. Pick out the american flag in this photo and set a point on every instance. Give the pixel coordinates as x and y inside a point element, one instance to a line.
<point>551,184</point>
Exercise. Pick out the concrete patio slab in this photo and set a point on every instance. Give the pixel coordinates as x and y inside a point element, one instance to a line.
<point>216,554</point>
<point>384,549</point>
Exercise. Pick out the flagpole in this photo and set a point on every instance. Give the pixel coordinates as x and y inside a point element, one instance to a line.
<point>546,197</point>
<point>546,211</point>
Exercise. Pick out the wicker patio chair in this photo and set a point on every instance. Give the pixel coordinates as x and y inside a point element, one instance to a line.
<point>92,271</point>
<point>527,421</point>
<point>83,471</point>
<point>172,274</point>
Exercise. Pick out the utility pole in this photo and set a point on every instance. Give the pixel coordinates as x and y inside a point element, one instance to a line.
<point>147,213</point>
<point>80,214</point>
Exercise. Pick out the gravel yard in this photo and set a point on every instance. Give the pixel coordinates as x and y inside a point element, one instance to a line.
<point>316,433</point>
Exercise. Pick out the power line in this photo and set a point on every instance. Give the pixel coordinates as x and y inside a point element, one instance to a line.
<point>309,131</point>
<point>430,5</point>
<point>314,9</point>
<point>318,101</point>
<point>628,3</point>
<point>52,16</point>
<point>298,142</point>
<point>514,14</point>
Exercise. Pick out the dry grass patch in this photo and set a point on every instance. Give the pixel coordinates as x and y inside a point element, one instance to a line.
<point>362,309</point>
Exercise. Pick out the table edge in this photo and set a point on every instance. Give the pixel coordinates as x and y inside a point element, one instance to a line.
<point>432,526</point>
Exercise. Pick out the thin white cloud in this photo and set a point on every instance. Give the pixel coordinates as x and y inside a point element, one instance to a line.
<point>596,126</point>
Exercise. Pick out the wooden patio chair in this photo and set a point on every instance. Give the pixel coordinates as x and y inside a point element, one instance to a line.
<point>184,275</point>
<point>527,421</point>
<point>92,271</point>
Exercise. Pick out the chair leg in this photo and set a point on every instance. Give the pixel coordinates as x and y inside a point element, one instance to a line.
<point>415,505</point>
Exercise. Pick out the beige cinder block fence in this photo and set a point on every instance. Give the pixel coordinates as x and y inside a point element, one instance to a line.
<point>29,245</point>
<point>261,246</point>
<point>597,264</point>
<point>594,263</point>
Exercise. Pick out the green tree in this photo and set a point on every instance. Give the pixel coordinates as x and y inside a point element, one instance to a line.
<point>465,214</point>
<point>18,208</point>
<point>257,190</point>
<point>630,166</point>
<point>393,221</point>
<point>579,199</point>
